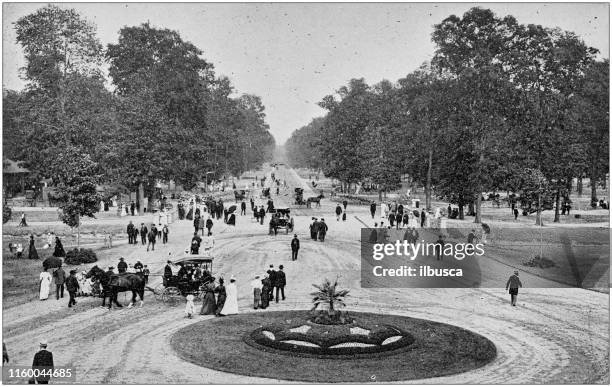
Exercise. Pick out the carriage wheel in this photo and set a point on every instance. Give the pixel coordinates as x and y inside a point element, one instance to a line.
<point>171,296</point>
<point>159,291</point>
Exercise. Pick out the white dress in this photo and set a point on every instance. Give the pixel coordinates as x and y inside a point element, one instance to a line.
<point>231,301</point>
<point>45,285</point>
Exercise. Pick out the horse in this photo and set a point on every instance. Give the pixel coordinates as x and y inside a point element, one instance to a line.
<point>113,284</point>
<point>314,200</point>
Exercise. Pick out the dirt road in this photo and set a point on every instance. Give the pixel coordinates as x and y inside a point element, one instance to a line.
<point>553,336</point>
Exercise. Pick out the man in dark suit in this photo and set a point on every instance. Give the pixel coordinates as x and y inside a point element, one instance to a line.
<point>295,246</point>
<point>372,209</point>
<point>281,281</point>
<point>143,234</point>
<point>130,232</point>
<point>43,360</point>
<point>72,285</point>
<point>60,277</point>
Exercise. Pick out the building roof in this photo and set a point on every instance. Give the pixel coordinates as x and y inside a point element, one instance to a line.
<point>12,167</point>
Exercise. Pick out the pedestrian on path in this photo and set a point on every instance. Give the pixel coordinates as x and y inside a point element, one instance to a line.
<point>43,361</point>
<point>23,222</point>
<point>338,212</point>
<point>72,285</point>
<point>514,283</point>
<point>281,281</point>
<point>59,276</point>
<point>209,225</point>
<point>143,234</point>
<point>322,230</point>
<point>373,209</point>
<point>152,237</point>
<point>295,247</point>
<point>32,254</point>
<point>130,232</point>
<point>165,232</point>
<point>44,285</point>
<point>256,285</point>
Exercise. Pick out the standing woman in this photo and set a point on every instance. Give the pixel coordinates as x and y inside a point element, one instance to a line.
<point>33,254</point>
<point>59,248</point>
<point>44,285</point>
<point>265,291</point>
<point>208,301</point>
<point>256,285</point>
<point>221,298</point>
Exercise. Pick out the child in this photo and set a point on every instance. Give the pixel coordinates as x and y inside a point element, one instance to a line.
<point>146,273</point>
<point>190,307</point>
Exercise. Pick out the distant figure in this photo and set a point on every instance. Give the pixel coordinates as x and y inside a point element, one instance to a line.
<point>208,301</point>
<point>256,285</point>
<point>165,232</point>
<point>32,254</point>
<point>243,208</point>
<point>5,356</point>
<point>514,283</point>
<point>439,250</point>
<point>189,306</point>
<point>72,285</point>
<point>23,222</point>
<point>338,212</point>
<point>322,230</point>
<point>43,360</point>
<point>516,213</point>
<point>372,209</point>
<point>152,236</point>
<point>281,281</point>
<point>295,247</point>
<point>59,248</point>
<point>59,276</point>
<point>423,218</point>
<point>44,285</point>
<point>221,297</point>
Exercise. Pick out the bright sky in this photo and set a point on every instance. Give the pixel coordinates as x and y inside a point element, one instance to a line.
<point>293,54</point>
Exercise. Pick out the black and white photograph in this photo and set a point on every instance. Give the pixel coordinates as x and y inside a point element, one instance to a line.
<point>306,193</point>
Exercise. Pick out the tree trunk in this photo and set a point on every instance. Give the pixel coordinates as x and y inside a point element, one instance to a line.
<point>539,212</point>
<point>478,218</point>
<point>78,231</point>
<point>557,203</point>
<point>579,186</point>
<point>428,183</point>
<point>379,195</point>
<point>593,180</point>
<point>140,198</point>
<point>461,214</point>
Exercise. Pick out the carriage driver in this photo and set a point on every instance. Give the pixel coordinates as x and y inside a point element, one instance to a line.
<point>122,266</point>
<point>167,272</point>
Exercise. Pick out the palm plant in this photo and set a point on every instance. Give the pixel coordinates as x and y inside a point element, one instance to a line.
<point>327,294</point>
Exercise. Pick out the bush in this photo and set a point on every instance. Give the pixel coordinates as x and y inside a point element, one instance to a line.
<point>6,213</point>
<point>80,256</point>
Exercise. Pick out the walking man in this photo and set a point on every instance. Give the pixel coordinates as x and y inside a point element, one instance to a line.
<point>272,274</point>
<point>165,232</point>
<point>243,208</point>
<point>122,266</point>
<point>143,234</point>
<point>295,246</point>
<point>322,230</point>
<point>373,209</point>
<point>130,232</point>
<point>423,217</point>
<point>281,281</point>
<point>209,225</point>
<point>152,236</point>
<point>60,278</point>
<point>72,285</point>
<point>514,283</point>
<point>43,361</point>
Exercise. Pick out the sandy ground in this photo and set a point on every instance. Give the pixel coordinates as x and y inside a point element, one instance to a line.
<point>553,335</point>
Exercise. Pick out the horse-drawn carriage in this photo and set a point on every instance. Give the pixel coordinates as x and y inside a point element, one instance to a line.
<point>240,195</point>
<point>281,219</point>
<point>174,289</point>
<point>299,196</point>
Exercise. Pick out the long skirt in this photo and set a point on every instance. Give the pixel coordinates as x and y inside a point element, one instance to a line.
<point>208,303</point>
<point>33,254</point>
<point>220,302</point>
<point>265,301</point>
<point>256,298</point>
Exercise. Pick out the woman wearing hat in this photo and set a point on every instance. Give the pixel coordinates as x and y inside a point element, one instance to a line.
<point>221,297</point>
<point>44,285</point>
<point>231,302</point>
<point>209,305</point>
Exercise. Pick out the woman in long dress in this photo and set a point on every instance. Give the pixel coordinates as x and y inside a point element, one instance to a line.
<point>86,284</point>
<point>59,248</point>
<point>265,291</point>
<point>44,285</point>
<point>231,302</point>
<point>32,254</point>
<point>221,297</point>
<point>256,285</point>
<point>209,305</point>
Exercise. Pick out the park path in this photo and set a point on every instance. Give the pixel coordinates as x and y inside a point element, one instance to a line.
<point>553,336</point>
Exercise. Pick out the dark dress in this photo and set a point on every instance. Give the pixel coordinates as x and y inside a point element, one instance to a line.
<point>59,249</point>
<point>220,298</point>
<point>265,292</point>
<point>208,301</point>
<point>33,254</point>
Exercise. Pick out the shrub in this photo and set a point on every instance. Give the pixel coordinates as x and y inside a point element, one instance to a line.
<point>6,213</point>
<point>80,256</point>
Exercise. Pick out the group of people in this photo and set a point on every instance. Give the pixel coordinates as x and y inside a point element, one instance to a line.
<point>318,229</point>
<point>397,215</point>
<point>218,300</point>
<point>70,283</point>
<point>148,236</point>
<point>264,287</point>
<point>58,251</point>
